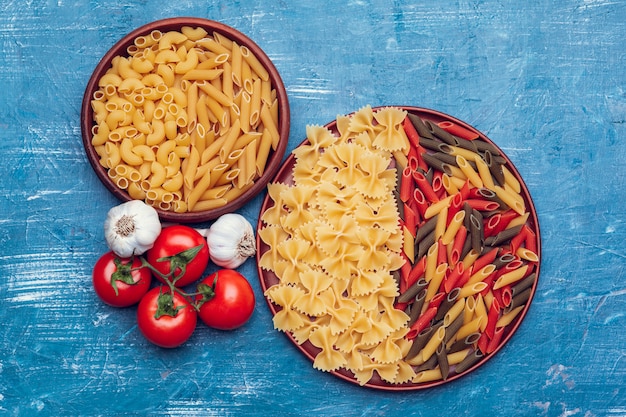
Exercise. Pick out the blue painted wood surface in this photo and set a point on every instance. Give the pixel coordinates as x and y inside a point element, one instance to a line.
<point>544,79</point>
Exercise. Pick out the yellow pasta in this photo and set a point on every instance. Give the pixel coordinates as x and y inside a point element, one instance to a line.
<point>431,261</point>
<point>199,90</point>
<point>437,207</point>
<point>254,63</point>
<point>229,140</point>
<point>510,199</point>
<point>263,152</point>
<point>481,274</point>
<point>193,33</point>
<point>453,227</point>
<point>428,376</point>
<point>270,125</point>
<point>511,277</point>
<point>352,241</point>
<point>435,282</point>
<point>454,312</point>
<point>236,60</point>
<point>527,255</point>
<point>508,317</point>
<point>127,154</point>
<point>472,289</point>
<point>433,343</point>
<point>511,181</point>
<point>469,172</point>
<point>469,328</point>
<point>440,226</point>
<point>483,172</point>
<point>480,311</point>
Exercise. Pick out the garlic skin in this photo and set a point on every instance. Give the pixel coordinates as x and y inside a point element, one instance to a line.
<point>131,228</point>
<point>231,240</point>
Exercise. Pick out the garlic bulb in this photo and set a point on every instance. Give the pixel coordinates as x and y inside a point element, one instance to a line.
<point>231,240</point>
<point>131,228</point>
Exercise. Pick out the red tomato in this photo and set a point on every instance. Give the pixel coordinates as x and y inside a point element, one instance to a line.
<point>173,242</point>
<point>118,282</point>
<point>164,319</point>
<point>228,300</point>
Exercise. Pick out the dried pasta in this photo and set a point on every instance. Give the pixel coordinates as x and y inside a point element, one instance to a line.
<point>411,249</point>
<point>183,87</point>
<point>348,292</point>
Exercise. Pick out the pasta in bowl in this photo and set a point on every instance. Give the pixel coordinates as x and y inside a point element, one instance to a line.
<point>188,115</point>
<point>398,248</point>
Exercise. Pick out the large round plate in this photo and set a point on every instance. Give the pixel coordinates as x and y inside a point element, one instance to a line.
<point>268,278</point>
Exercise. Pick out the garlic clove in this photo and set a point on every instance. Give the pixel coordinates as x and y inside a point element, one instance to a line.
<point>131,228</point>
<point>231,240</point>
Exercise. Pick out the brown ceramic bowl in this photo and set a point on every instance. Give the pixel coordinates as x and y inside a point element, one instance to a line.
<point>268,278</point>
<point>211,27</point>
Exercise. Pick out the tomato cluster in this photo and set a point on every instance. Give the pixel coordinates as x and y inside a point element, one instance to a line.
<point>166,314</point>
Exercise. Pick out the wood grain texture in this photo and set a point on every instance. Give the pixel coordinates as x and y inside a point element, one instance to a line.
<point>544,80</point>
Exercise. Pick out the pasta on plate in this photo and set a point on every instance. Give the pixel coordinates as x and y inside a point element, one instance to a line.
<point>400,253</point>
<point>334,243</point>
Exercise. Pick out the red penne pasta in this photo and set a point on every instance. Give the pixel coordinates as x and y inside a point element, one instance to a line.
<point>422,322</point>
<point>412,162</point>
<point>405,270</point>
<point>506,218</point>
<point>415,273</point>
<point>452,279</point>
<point>506,296</point>
<point>496,294</point>
<point>442,254</point>
<point>411,133</point>
<point>400,306</point>
<point>483,343</point>
<point>425,187</point>
<point>437,299</point>
<point>495,340</point>
<point>465,190</point>
<point>457,130</point>
<point>406,184</point>
<point>531,239</point>
<point>411,219</point>
<point>492,318</point>
<point>467,273</point>
<point>485,259</point>
<point>492,224</point>
<point>457,245</point>
<point>517,241</point>
<point>455,206</point>
<point>420,201</point>
<point>437,185</point>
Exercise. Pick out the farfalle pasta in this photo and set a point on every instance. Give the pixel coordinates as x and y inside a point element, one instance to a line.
<point>399,251</point>
<point>341,241</point>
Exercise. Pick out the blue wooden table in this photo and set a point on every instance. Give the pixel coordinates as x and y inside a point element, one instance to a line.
<point>545,80</point>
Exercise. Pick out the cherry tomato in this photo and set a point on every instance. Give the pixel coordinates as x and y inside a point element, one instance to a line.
<point>166,319</point>
<point>180,242</point>
<point>227,300</point>
<point>118,281</point>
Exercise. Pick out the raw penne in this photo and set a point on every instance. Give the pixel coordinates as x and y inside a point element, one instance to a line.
<point>453,227</point>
